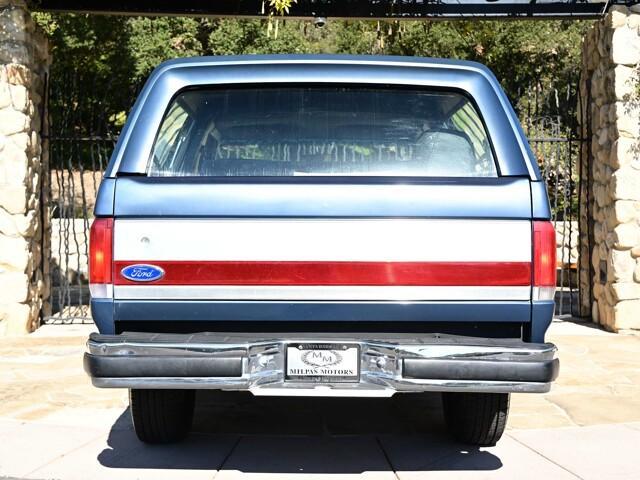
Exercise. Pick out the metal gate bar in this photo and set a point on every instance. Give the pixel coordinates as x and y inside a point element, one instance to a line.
<point>81,140</point>
<point>557,147</point>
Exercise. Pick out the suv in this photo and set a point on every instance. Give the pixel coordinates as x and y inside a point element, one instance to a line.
<point>342,226</point>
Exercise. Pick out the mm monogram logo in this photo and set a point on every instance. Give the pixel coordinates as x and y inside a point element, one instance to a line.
<point>321,358</point>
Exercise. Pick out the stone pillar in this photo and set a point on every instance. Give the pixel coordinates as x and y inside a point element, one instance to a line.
<point>24,60</point>
<point>610,201</point>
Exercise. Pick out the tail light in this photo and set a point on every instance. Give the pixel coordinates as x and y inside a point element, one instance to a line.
<point>544,260</point>
<point>100,258</point>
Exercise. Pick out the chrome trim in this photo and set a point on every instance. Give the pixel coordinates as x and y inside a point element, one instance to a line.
<point>322,391</point>
<point>263,365</point>
<point>279,390</point>
<point>310,293</point>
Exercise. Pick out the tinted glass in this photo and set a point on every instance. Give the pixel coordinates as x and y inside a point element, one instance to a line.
<point>303,131</point>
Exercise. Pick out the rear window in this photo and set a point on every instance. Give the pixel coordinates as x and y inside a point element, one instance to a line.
<point>322,131</point>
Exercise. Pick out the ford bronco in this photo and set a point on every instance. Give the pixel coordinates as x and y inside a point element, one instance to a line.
<point>322,226</point>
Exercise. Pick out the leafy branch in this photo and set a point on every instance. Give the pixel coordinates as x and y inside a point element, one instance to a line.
<point>280,7</point>
<point>276,7</point>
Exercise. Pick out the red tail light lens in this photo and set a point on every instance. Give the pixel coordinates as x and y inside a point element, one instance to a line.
<point>101,251</point>
<point>544,254</point>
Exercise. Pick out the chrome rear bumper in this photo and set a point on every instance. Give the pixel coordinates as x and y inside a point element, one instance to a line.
<point>389,363</point>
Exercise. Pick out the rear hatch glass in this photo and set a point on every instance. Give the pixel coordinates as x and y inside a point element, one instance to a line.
<point>288,131</point>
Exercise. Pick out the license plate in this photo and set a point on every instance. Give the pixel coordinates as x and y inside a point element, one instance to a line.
<point>323,362</point>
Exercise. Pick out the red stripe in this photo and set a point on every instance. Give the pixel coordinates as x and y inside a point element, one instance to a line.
<point>336,273</point>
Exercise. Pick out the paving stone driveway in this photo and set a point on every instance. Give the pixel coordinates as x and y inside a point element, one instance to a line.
<point>54,425</point>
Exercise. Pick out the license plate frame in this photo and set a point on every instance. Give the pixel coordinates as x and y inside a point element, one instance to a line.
<point>339,372</point>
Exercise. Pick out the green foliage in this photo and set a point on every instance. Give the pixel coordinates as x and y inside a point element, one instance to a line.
<point>86,42</point>
<point>118,53</point>
<point>89,59</point>
<point>523,54</point>
<point>251,37</point>
<point>358,38</point>
<point>154,40</point>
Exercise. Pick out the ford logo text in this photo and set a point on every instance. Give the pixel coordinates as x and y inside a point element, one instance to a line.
<point>142,273</point>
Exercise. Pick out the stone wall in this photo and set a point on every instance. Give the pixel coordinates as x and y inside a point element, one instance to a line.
<point>24,60</point>
<point>610,203</point>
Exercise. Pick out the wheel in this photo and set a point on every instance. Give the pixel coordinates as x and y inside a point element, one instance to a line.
<point>476,418</point>
<point>161,416</point>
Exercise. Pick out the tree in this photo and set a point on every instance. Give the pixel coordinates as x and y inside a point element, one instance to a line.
<point>522,54</point>
<point>153,40</point>
<point>251,37</point>
<point>90,73</point>
<point>117,53</point>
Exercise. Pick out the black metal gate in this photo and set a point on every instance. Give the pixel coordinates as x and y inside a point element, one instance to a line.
<point>550,122</point>
<point>83,135</point>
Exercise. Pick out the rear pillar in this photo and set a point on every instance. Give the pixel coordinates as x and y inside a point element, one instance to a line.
<point>24,60</point>
<point>610,171</point>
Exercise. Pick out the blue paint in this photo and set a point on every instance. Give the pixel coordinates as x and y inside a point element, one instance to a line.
<point>142,272</point>
<point>540,208</point>
<point>164,310</point>
<point>541,317</point>
<point>508,198</point>
<point>102,314</point>
<point>105,198</point>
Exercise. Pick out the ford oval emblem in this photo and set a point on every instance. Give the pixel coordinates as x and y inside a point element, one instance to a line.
<point>142,273</point>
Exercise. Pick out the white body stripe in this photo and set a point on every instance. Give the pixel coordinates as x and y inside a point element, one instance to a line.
<point>393,240</point>
<point>312,293</point>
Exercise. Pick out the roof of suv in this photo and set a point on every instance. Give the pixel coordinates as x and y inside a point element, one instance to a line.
<point>319,59</point>
<point>345,60</point>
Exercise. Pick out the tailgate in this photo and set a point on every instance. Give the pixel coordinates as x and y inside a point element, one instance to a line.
<point>336,253</point>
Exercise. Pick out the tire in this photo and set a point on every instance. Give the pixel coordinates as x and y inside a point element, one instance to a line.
<point>476,418</point>
<point>161,416</point>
